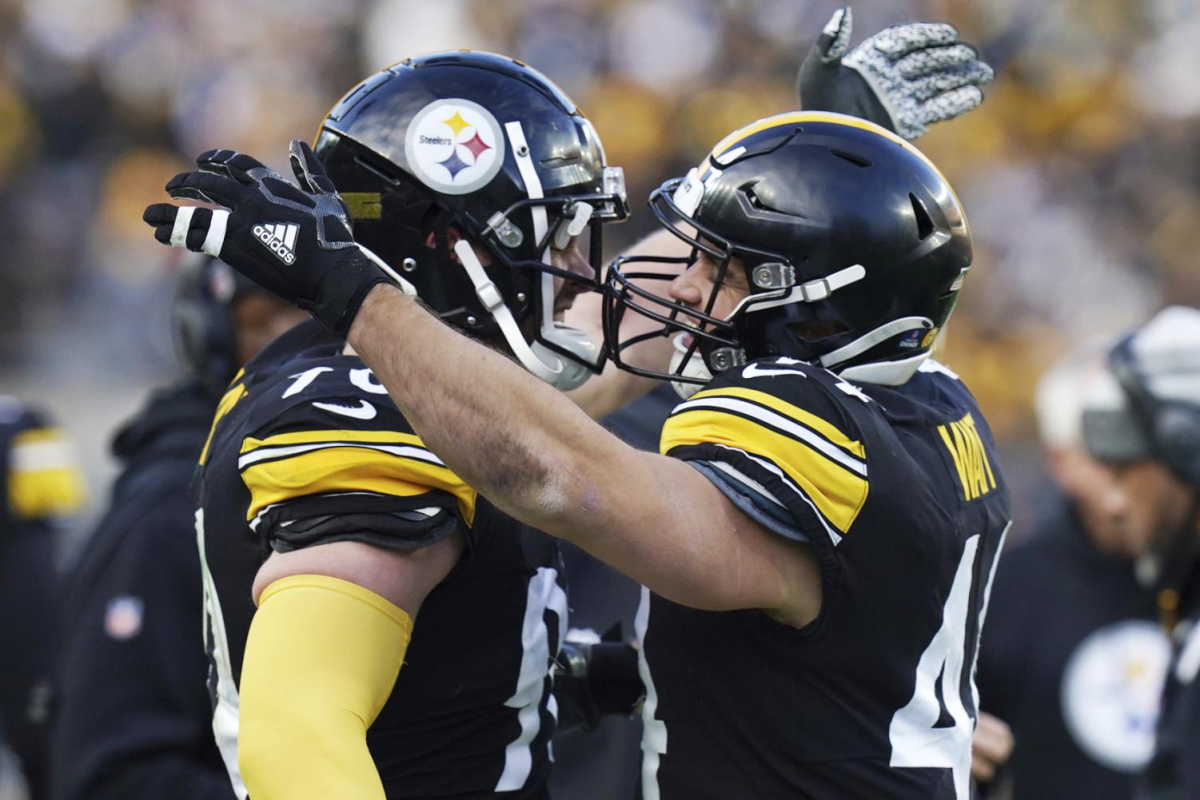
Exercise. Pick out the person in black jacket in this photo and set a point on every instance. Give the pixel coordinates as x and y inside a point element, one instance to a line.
<point>133,717</point>
<point>1153,430</point>
<point>1076,645</point>
<point>40,483</point>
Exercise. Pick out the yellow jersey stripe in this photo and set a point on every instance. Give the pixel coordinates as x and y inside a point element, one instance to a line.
<point>228,401</point>
<point>820,425</point>
<point>44,478</point>
<point>346,468</point>
<point>838,493</point>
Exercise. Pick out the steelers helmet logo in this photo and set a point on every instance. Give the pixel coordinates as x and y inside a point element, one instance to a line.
<point>454,146</point>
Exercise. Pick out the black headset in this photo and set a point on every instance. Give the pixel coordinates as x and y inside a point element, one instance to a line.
<point>1172,427</point>
<point>202,319</point>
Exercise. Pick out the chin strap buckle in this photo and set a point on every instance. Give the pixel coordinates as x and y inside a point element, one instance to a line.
<point>819,289</point>
<point>509,234</point>
<point>569,229</point>
<point>724,358</point>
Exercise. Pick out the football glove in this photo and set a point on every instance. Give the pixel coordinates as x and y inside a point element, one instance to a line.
<point>294,241</point>
<point>904,78</point>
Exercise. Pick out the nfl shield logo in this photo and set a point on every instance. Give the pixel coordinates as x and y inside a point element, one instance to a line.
<point>123,618</point>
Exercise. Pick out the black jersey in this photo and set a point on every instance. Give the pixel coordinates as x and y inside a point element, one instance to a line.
<point>307,448</point>
<point>899,493</point>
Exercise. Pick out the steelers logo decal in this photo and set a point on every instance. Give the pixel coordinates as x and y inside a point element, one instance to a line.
<point>454,146</point>
<point>1110,693</point>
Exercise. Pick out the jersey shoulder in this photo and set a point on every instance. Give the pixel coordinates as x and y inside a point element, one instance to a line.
<point>935,394</point>
<point>42,474</point>
<point>956,422</point>
<point>325,456</point>
<point>783,435</point>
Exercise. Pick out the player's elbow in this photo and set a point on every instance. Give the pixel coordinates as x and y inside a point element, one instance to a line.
<point>549,491</point>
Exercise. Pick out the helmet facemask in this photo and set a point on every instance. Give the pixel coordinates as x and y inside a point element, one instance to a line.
<point>707,344</point>
<point>557,353</point>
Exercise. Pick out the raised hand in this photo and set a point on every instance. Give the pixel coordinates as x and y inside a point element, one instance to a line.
<point>295,241</point>
<point>904,78</point>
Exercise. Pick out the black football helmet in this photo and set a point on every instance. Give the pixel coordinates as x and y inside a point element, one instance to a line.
<point>202,326</point>
<point>484,143</point>
<point>853,244</point>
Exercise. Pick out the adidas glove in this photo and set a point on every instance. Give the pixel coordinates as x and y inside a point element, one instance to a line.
<point>295,241</point>
<point>904,78</point>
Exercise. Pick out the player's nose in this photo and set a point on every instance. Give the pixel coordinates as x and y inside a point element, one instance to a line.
<point>687,288</point>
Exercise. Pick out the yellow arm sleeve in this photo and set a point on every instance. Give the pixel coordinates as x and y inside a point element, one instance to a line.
<point>321,660</point>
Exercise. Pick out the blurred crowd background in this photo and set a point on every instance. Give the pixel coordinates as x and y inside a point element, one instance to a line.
<point>1080,174</point>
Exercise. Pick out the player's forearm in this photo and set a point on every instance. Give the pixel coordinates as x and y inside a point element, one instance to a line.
<point>521,443</point>
<point>527,448</point>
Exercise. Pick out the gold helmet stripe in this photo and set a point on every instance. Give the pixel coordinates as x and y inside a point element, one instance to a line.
<point>800,117</point>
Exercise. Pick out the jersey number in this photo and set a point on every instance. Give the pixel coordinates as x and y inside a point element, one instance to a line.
<point>917,739</point>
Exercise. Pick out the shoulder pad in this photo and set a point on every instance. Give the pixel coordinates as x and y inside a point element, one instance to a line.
<point>787,418</point>
<point>327,427</point>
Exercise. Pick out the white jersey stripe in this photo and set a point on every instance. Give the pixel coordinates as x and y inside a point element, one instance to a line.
<point>404,451</point>
<point>654,731</point>
<point>834,536</point>
<point>544,593</point>
<point>987,598</point>
<point>775,420</point>
<point>225,714</point>
<point>43,454</point>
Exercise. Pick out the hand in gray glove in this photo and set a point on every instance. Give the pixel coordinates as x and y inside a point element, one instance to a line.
<point>904,78</point>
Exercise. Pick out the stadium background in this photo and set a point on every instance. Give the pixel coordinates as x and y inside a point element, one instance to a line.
<point>1080,173</point>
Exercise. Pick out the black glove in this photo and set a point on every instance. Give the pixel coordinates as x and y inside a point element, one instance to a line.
<point>295,242</point>
<point>904,78</point>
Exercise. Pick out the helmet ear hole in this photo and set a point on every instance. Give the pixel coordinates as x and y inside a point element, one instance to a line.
<point>924,221</point>
<point>817,330</point>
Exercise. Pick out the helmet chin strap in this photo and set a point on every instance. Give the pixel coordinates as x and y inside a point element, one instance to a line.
<point>563,373</point>
<point>539,360</point>
<point>577,342</point>
<point>696,368</point>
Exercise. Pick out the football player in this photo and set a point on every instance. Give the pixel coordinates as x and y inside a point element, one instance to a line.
<point>817,539</point>
<point>472,174</point>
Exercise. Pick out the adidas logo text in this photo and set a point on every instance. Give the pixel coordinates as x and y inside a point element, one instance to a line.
<point>280,238</point>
